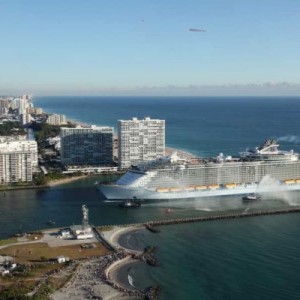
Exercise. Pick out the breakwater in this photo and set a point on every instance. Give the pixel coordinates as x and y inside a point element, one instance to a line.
<point>238,215</point>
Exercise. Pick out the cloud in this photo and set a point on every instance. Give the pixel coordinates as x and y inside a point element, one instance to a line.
<point>251,89</point>
<point>265,89</point>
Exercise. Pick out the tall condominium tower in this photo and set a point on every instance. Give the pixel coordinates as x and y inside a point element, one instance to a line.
<point>56,119</point>
<point>86,145</point>
<point>17,160</point>
<point>140,141</point>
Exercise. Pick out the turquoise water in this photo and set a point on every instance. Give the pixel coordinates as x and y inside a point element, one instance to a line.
<point>256,258</point>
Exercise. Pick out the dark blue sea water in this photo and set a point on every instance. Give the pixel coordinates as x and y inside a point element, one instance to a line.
<point>204,126</point>
<point>256,258</point>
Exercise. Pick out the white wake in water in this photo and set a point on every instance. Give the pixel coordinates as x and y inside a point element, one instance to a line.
<point>130,280</point>
<point>109,201</point>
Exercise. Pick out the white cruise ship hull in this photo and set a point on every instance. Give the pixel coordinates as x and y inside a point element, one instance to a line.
<point>119,192</point>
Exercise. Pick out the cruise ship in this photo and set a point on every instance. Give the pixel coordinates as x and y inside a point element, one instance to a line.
<point>262,169</point>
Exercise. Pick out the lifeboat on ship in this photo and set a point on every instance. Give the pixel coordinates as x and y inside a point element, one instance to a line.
<point>290,181</point>
<point>213,186</point>
<point>189,188</point>
<point>201,187</point>
<point>162,190</point>
<point>230,185</point>
<point>175,189</point>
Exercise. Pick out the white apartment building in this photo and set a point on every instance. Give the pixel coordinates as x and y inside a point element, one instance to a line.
<point>17,160</point>
<point>140,141</point>
<point>7,145</point>
<point>25,118</point>
<point>35,110</point>
<point>15,167</point>
<point>86,145</point>
<point>56,119</point>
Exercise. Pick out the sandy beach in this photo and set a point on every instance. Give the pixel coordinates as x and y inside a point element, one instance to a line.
<point>113,236</point>
<point>64,180</point>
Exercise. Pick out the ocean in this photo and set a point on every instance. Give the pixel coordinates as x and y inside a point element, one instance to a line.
<point>257,258</point>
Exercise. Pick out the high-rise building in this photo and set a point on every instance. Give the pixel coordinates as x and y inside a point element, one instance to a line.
<point>25,118</point>
<point>15,167</point>
<point>3,111</point>
<point>17,160</point>
<point>20,144</point>
<point>56,119</point>
<point>140,141</point>
<point>4,103</point>
<point>35,110</point>
<point>87,145</point>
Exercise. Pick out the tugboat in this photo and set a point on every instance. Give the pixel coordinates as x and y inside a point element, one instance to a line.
<point>130,203</point>
<point>251,197</point>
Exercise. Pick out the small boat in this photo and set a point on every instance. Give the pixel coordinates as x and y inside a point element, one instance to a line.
<point>130,203</point>
<point>50,222</point>
<point>251,197</point>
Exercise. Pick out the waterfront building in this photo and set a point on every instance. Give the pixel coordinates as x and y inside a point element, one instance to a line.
<point>18,160</point>
<point>140,141</point>
<point>20,144</point>
<point>56,119</point>
<point>86,145</point>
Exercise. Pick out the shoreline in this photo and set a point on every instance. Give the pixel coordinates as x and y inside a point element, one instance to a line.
<point>55,182</point>
<point>112,237</point>
<point>50,184</point>
<point>62,181</point>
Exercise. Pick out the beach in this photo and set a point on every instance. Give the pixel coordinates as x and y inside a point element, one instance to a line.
<point>57,182</point>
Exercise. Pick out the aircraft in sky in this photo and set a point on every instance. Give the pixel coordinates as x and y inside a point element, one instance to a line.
<point>197,30</point>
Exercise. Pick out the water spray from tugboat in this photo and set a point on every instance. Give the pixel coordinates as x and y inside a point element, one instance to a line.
<point>272,189</point>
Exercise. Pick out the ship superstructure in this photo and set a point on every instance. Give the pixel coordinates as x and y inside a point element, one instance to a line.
<point>174,177</point>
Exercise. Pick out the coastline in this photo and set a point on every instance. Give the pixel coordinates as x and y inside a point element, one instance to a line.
<point>112,237</point>
<point>62,181</point>
<point>50,184</point>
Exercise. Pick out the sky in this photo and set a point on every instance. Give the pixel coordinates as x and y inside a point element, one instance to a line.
<point>139,47</point>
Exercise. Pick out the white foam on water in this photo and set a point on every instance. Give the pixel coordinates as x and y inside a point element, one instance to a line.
<point>272,189</point>
<point>130,280</point>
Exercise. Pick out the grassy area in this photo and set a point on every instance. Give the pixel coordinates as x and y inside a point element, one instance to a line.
<point>33,259</point>
<point>41,251</point>
<point>105,228</point>
<point>8,241</point>
<point>17,286</point>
